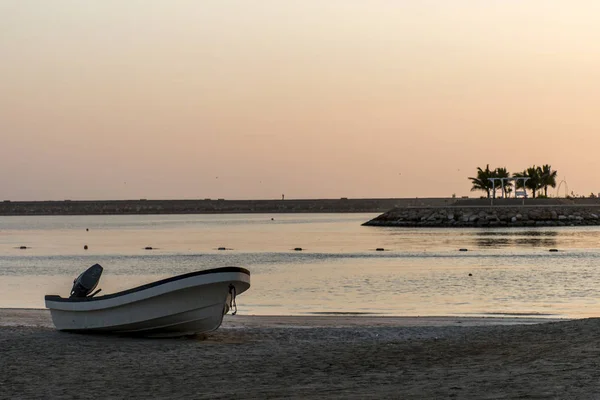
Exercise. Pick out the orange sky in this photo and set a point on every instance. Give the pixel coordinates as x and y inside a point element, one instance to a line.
<point>110,99</point>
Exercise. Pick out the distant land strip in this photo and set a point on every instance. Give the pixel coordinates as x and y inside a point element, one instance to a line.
<point>212,206</point>
<point>433,208</point>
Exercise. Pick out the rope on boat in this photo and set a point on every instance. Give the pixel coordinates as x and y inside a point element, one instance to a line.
<point>232,304</point>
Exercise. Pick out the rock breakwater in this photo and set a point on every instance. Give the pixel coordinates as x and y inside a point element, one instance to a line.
<point>489,216</point>
<point>209,206</point>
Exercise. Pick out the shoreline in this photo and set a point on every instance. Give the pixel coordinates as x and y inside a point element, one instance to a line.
<point>320,357</point>
<point>40,318</point>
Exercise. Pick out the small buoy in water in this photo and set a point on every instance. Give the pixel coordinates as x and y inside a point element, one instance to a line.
<point>553,250</point>
<point>85,247</point>
<point>272,219</point>
<point>148,248</point>
<point>462,250</point>
<point>221,248</point>
<point>379,249</point>
<point>298,249</point>
<point>470,274</point>
<point>23,247</point>
<point>86,229</point>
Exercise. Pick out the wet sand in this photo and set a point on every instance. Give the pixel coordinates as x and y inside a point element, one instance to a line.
<point>308,357</point>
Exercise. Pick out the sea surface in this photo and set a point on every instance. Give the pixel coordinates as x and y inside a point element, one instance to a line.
<point>338,271</point>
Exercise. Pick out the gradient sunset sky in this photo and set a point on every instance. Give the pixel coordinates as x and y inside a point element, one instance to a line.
<point>111,99</point>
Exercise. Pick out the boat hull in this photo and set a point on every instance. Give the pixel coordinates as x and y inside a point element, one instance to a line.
<point>188,304</point>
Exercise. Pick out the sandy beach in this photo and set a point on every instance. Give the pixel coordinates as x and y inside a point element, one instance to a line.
<point>340,356</point>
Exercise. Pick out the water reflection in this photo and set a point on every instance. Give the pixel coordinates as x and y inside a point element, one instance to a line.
<point>536,242</point>
<point>516,233</point>
<point>493,242</point>
<point>499,239</point>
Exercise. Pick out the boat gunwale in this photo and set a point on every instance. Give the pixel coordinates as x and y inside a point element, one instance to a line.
<point>58,298</point>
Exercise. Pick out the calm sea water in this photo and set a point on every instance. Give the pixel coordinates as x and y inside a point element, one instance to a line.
<point>422,272</point>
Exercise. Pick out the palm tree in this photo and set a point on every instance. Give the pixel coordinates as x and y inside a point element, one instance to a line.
<point>503,173</point>
<point>547,177</point>
<point>519,183</point>
<point>535,179</point>
<point>481,182</point>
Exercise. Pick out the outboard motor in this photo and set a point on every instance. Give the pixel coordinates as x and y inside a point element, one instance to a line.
<point>86,282</point>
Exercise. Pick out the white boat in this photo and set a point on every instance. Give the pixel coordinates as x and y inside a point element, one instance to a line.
<point>181,305</point>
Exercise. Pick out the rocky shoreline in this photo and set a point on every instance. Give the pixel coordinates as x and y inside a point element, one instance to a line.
<point>489,216</point>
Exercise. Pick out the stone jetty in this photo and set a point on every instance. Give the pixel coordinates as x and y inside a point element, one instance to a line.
<point>210,206</point>
<point>499,213</point>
